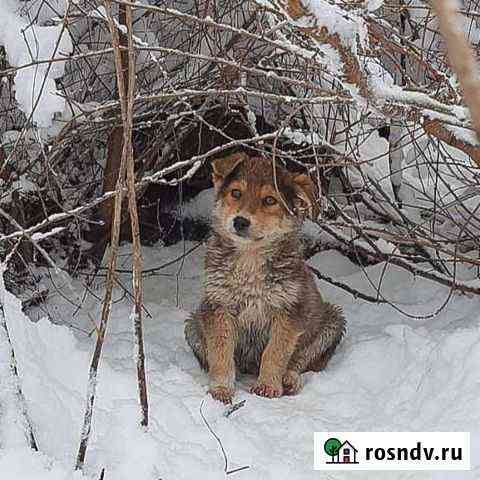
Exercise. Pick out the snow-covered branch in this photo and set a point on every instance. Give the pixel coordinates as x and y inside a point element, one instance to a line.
<point>346,33</point>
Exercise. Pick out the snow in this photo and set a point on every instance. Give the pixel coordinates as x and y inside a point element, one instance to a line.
<point>375,149</point>
<point>36,237</point>
<point>450,114</point>
<point>43,11</point>
<point>386,247</point>
<point>400,368</point>
<point>200,206</point>
<point>28,465</point>
<point>346,27</point>
<point>373,5</point>
<point>350,27</point>
<point>35,89</point>
<point>464,135</point>
<point>11,432</point>
<point>101,14</point>
<point>391,373</point>
<point>299,137</point>
<point>324,54</point>
<point>377,74</point>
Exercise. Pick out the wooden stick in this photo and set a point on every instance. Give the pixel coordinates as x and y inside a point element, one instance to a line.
<point>461,57</point>
<point>6,349</point>
<point>137,249</point>
<point>114,244</point>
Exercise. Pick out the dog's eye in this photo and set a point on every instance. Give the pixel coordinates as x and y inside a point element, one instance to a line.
<point>269,201</point>
<point>236,193</point>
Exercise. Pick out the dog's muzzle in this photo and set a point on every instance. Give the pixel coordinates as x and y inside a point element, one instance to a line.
<point>241,226</point>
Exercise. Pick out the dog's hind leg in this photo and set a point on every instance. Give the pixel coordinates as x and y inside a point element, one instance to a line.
<point>328,338</point>
<point>314,351</point>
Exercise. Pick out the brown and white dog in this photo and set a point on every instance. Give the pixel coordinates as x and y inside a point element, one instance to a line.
<point>261,311</point>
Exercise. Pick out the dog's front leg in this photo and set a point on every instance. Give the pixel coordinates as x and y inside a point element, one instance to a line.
<point>220,343</point>
<point>275,357</point>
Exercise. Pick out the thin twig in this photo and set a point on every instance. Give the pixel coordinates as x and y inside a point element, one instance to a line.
<point>220,444</point>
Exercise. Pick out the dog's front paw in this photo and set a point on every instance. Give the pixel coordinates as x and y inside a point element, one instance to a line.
<point>268,390</point>
<point>222,393</point>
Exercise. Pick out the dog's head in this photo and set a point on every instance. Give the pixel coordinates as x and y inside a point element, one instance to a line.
<point>257,201</point>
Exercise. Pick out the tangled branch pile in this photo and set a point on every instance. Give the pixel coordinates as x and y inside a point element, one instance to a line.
<point>360,94</point>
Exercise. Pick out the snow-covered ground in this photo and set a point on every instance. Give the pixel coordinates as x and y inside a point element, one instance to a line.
<point>391,373</point>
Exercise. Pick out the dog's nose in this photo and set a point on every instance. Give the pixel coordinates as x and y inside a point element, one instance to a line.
<point>241,223</point>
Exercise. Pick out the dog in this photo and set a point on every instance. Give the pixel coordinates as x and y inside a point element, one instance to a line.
<point>261,311</point>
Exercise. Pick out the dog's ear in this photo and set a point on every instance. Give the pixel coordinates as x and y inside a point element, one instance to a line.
<point>306,196</point>
<point>222,167</point>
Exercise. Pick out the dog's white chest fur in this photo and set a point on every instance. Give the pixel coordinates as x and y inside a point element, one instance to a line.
<point>248,275</point>
<point>248,288</point>
<point>249,279</point>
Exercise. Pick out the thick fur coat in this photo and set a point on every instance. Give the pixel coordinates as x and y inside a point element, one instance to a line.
<point>261,311</point>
